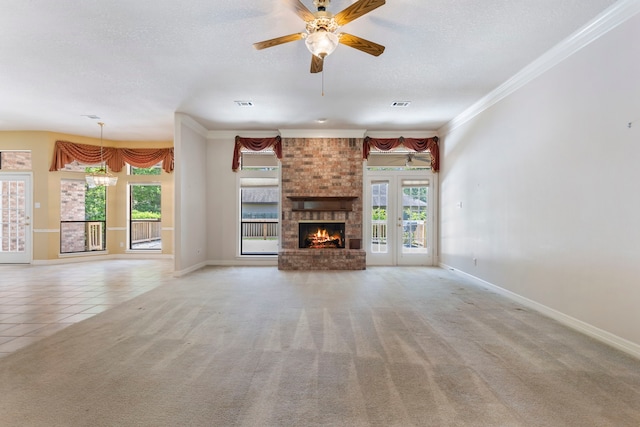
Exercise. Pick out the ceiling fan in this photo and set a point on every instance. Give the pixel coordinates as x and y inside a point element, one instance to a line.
<point>321,35</point>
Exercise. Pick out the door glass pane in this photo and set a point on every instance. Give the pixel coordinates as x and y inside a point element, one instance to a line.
<point>145,226</point>
<point>379,209</point>
<point>12,216</point>
<point>415,196</point>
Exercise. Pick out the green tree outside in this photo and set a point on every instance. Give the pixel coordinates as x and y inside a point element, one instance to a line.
<point>95,200</point>
<point>145,202</point>
<point>379,214</point>
<point>145,199</point>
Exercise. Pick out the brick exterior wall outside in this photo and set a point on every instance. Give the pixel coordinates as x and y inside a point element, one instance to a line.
<point>15,160</point>
<point>321,167</point>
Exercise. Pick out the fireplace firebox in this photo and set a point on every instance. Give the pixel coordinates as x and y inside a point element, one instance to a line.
<point>319,235</point>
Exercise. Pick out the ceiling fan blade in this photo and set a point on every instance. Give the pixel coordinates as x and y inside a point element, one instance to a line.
<point>356,10</point>
<point>278,40</point>
<point>316,64</point>
<point>301,10</point>
<point>359,43</point>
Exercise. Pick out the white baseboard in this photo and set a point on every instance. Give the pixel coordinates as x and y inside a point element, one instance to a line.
<point>249,262</point>
<point>198,266</point>
<point>603,336</point>
<point>68,259</point>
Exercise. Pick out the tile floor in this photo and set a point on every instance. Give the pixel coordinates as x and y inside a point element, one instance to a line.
<point>37,301</point>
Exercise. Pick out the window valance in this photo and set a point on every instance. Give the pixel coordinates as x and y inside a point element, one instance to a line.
<point>416,144</point>
<point>66,152</point>
<point>255,144</point>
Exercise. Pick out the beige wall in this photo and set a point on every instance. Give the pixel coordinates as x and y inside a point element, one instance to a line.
<point>46,193</point>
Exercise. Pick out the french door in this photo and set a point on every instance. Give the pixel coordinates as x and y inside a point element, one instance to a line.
<point>15,218</point>
<point>399,213</point>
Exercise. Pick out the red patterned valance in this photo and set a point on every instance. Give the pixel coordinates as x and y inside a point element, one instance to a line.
<point>416,144</point>
<point>66,152</point>
<point>255,144</point>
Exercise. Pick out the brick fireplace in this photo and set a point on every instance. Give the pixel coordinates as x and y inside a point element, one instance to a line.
<point>321,183</point>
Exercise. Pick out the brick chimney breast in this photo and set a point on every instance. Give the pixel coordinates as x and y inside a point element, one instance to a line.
<point>321,168</point>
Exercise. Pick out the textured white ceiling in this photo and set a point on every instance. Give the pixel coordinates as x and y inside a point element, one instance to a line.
<point>135,63</point>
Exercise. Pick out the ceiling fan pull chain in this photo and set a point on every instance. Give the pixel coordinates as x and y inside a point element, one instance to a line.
<point>322,82</point>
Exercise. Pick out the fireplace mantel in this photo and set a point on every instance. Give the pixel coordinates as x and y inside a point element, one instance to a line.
<point>322,204</point>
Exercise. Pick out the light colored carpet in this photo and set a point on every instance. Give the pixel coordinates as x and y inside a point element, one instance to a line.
<point>262,347</point>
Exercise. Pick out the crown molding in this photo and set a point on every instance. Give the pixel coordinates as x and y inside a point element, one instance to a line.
<point>322,133</point>
<point>613,16</point>
<point>191,123</point>
<point>231,134</point>
<point>419,134</point>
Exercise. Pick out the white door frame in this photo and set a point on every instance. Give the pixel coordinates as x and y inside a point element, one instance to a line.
<point>394,254</point>
<point>25,256</point>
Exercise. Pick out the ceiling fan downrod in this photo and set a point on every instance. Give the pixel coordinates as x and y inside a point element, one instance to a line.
<point>321,5</point>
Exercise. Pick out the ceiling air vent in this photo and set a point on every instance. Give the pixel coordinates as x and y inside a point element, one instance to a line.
<point>400,103</point>
<point>244,103</point>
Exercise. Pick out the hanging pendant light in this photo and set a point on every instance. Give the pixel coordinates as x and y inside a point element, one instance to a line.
<point>101,177</point>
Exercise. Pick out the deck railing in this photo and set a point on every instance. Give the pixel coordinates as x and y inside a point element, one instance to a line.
<point>145,230</point>
<point>260,228</point>
<point>82,236</point>
<point>94,236</point>
<point>379,231</point>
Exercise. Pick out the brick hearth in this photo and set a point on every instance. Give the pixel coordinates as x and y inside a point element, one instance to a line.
<point>325,168</point>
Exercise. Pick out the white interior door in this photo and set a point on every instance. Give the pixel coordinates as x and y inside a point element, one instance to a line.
<point>399,216</point>
<point>15,218</point>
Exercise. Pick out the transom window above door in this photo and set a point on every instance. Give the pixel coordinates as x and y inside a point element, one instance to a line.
<point>400,159</point>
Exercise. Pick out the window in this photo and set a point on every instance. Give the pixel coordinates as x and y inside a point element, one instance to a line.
<point>82,217</point>
<point>15,160</point>
<point>258,160</point>
<point>153,170</point>
<point>399,159</point>
<point>145,226</point>
<point>259,201</point>
<point>76,166</point>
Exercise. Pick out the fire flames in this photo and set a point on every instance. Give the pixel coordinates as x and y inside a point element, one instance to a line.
<point>322,239</point>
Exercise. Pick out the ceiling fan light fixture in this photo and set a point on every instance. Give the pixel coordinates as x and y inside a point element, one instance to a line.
<point>321,43</point>
<point>321,36</point>
<point>409,161</point>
